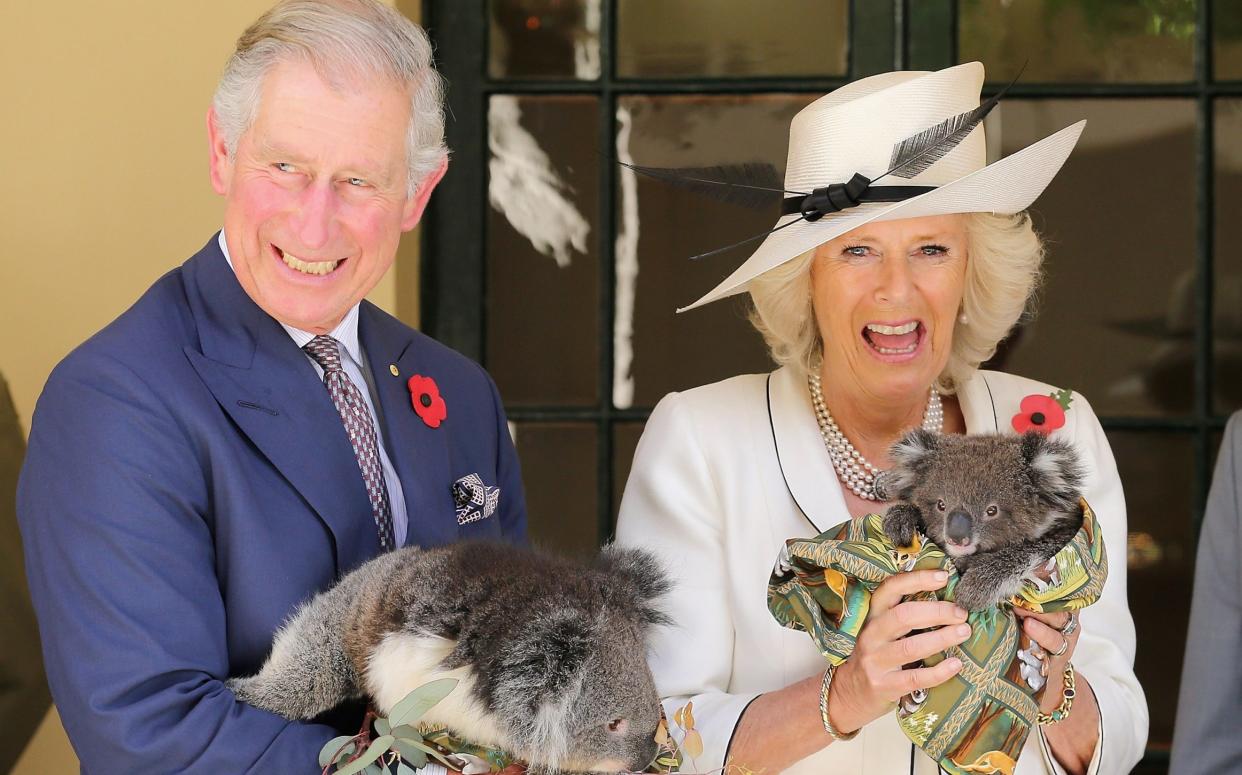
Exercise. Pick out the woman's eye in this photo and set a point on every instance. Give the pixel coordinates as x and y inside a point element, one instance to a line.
<point>856,251</point>
<point>991,511</point>
<point>933,250</point>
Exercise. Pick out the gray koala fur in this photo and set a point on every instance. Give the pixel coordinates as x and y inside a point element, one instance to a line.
<point>550,654</point>
<point>999,505</point>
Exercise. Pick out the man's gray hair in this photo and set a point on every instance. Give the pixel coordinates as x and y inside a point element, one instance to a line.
<point>345,40</point>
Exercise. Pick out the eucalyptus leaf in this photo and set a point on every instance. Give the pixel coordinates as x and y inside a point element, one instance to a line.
<point>405,769</point>
<point>382,726</point>
<point>418,702</point>
<point>329,753</point>
<point>422,746</point>
<point>378,747</point>
<point>413,755</point>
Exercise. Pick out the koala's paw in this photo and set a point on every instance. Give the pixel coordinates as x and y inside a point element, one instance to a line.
<point>976,591</point>
<point>900,522</point>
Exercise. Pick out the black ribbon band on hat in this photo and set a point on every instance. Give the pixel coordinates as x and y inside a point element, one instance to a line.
<point>841,196</point>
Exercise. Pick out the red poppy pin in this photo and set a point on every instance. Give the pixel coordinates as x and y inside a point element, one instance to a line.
<point>1043,414</point>
<point>426,400</point>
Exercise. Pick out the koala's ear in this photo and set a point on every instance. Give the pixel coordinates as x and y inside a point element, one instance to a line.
<point>547,658</point>
<point>641,574</point>
<point>911,456</point>
<point>1054,470</point>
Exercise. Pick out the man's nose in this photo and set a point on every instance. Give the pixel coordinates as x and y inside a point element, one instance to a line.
<point>314,216</point>
<point>959,526</point>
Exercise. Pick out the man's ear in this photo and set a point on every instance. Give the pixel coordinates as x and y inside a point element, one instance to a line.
<point>221,164</point>
<point>415,205</point>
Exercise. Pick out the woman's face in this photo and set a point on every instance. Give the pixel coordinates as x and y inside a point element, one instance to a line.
<point>886,297</point>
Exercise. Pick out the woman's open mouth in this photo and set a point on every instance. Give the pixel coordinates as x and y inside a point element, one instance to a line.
<point>894,341</point>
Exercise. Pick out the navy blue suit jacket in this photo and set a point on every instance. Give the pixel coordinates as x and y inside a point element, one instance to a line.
<point>188,482</point>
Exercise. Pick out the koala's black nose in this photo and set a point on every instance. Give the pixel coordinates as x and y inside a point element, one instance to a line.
<point>959,526</point>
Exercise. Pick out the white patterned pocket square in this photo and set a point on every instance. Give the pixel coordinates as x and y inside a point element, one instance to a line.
<point>473,499</point>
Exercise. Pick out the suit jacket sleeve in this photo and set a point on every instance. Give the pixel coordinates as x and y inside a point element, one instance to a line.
<point>671,506</point>
<point>1104,655</point>
<point>115,515</point>
<point>1206,738</point>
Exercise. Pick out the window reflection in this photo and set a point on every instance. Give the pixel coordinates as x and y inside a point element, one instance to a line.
<point>544,39</point>
<point>1099,41</point>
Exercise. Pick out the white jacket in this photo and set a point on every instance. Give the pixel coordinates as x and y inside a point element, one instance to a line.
<point>726,472</point>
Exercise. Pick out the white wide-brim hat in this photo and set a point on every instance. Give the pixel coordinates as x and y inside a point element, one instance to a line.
<point>855,129</point>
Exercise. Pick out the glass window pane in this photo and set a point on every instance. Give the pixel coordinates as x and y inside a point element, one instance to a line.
<point>543,39</point>
<point>668,38</point>
<point>1227,273</point>
<point>542,261</point>
<point>625,437</point>
<point>558,470</point>
<point>1121,255</point>
<point>1227,40</point>
<point>1101,41</point>
<point>1157,473</point>
<point>660,226</point>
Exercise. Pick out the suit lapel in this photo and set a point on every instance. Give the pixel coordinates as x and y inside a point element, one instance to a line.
<point>419,453</point>
<point>800,451</point>
<point>269,389</point>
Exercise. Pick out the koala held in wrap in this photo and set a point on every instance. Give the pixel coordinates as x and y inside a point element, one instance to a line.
<point>550,654</point>
<point>998,506</point>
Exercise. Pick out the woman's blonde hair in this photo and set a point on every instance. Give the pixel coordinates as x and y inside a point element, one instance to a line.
<point>1002,273</point>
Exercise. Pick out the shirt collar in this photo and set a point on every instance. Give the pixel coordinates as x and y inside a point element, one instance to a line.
<point>346,332</point>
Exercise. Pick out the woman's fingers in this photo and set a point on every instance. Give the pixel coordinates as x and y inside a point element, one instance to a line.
<point>917,647</point>
<point>907,681</point>
<point>895,587</point>
<point>917,615</point>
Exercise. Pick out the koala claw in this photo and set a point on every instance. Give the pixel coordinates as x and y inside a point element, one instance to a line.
<point>899,525</point>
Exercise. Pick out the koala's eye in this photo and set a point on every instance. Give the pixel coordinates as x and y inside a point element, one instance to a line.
<point>990,511</point>
<point>940,505</point>
<point>618,726</point>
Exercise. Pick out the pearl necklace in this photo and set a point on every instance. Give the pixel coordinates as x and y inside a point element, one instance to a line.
<point>854,470</point>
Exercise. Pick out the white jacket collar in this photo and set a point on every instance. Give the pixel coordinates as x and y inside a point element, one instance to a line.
<point>804,461</point>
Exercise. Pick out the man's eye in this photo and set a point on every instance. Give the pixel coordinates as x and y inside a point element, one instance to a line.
<point>283,166</point>
<point>356,181</point>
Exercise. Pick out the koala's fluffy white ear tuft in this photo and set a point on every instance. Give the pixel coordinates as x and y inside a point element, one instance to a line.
<point>643,576</point>
<point>1054,469</point>
<point>910,455</point>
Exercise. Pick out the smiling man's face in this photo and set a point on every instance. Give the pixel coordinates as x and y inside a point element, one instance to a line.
<point>316,194</point>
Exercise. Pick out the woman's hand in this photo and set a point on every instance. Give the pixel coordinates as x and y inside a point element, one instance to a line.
<point>1046,630</point>
<point>1073,740</point>
<point>867,684</point>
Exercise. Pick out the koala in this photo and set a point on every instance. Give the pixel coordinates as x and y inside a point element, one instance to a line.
<point>550,654</point>
<point>997,505</point>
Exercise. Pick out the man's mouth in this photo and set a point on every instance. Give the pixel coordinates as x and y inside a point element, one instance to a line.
<point>318,268</point>
<point>900,339</point>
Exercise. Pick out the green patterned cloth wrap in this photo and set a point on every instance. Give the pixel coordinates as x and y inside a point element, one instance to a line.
<point>978,720</point>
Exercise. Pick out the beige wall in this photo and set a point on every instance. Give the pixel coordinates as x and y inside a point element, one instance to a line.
<point>104,157</point>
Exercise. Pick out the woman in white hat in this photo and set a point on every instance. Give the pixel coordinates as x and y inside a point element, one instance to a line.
<point>879,298</point>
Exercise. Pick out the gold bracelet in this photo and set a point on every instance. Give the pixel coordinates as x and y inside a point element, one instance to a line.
<point>823,707</point>
<point>1067,701</point>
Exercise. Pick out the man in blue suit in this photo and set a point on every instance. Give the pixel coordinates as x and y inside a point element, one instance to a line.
<point>249,431</point>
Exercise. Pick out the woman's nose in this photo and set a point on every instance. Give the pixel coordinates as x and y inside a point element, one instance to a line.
<point>895,280</point>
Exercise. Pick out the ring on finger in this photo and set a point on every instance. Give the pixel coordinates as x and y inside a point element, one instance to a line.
<point>1064,648</point>
<point>1071,625</point>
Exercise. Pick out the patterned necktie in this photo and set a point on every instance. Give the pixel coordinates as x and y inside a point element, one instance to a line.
<point>361,429</point>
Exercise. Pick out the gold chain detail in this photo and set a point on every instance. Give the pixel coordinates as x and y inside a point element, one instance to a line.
<point>1067,701</point>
